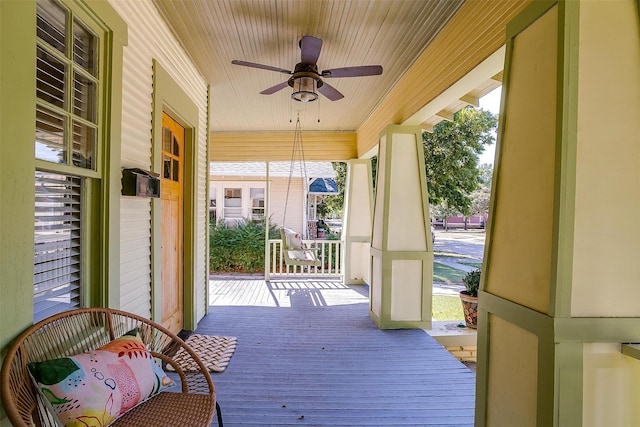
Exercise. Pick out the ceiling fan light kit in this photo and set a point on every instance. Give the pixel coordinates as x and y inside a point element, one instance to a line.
<point>305,79</point>
<point>304,89</point>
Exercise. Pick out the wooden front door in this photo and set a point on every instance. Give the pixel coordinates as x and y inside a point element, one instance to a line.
<point>172,223</point>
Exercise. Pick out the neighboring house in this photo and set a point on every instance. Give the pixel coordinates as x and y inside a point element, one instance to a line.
<point>459,221</point>
<point>237,192</point>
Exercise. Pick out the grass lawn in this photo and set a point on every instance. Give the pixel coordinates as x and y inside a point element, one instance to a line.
<point>472,264</point>
<point>445,274</point>
<point>447,307</point>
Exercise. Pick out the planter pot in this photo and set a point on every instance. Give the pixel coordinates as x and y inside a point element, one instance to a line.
<point>470,308</point>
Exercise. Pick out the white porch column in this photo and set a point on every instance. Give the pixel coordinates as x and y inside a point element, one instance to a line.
<point>401,247</point>
<point>559,291</point>
<point>358,218</point>
<point>267,207</point>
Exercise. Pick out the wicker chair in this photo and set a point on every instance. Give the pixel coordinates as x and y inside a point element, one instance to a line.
<point>82,330</point>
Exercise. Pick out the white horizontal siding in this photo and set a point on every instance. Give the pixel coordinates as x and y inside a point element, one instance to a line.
<point>149,39</point>
<point>278,199</point>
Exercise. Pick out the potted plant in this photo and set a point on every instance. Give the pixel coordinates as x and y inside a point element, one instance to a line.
<point>469,298</point>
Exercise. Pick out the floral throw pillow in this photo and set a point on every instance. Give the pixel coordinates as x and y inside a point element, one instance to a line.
<point>95,388</point>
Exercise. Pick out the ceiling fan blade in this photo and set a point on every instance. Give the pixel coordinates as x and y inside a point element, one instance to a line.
<point>330,92</point>
<point>274,89</point>
<point>365,70</point>
<point>261,66</point>
<point>310,47</point>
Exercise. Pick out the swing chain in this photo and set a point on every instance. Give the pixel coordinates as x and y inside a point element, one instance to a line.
<point>298,149</point>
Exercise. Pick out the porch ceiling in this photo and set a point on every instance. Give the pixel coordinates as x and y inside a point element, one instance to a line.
<point>391,33</point>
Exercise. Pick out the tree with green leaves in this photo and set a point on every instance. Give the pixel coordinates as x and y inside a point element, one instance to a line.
<point>451,157</point>
<point>451,161</point>
<point>480,197</point>
<point>331,206</point>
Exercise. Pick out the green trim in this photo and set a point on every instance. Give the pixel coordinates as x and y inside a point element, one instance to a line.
<point>169,97</point>
<point>482,367</point>
<point>528,16</point>
<point>533,321</point>
<point>104,13</point>
<point>568,384</point>
<point>17,165</point>
<point>115,38</point>
<point>190,210</point>
<point>545,382</point>
<point>631,350</point>
<point>206,208</point>
<point>598,329</point>
<point>566,159</point>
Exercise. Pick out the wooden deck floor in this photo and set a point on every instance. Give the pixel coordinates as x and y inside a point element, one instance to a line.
<point>308,354</point>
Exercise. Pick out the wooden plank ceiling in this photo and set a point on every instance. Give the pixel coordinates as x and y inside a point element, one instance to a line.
<point>391,33</point>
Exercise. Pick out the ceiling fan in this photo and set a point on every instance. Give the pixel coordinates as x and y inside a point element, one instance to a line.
<point>305,78</point>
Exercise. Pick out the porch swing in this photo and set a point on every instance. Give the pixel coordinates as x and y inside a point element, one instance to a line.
<point>294,251</point>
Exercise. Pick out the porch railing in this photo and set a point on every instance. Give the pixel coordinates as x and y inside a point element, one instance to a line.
<point>329,252</point>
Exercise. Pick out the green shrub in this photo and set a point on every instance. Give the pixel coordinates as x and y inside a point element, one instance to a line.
<point>238,248</point>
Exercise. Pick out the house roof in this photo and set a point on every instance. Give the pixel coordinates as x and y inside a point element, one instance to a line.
<point>323,186</point>
<point>276,169</point>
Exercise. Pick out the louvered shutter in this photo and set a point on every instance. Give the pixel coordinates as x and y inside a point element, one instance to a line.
<point>57,279</point>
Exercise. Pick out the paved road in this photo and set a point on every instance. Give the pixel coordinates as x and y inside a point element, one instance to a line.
<point>468,244</point>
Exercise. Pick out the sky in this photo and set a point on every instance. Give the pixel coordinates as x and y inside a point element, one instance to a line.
<point>491,102</point>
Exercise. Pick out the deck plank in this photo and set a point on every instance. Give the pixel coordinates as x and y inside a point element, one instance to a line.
<point>308,354</point>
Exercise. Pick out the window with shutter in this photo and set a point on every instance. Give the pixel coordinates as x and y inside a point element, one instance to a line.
<point>66,151</point>
<point>58,244</point>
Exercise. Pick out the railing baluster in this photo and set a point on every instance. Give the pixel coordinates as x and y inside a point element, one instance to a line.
<point>327,250</point>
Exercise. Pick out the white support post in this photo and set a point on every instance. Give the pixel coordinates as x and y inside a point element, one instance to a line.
<point>401,247</point>
<point>267,247</point>
<point>357,222</point>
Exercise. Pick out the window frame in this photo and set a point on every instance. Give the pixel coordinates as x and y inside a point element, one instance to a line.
<point>96,186</point>
<point>235,209</point>
<point>102,86</point>
<point>257,213</point>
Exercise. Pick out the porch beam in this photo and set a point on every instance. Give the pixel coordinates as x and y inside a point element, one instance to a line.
<point>471,100</point>
<point>484,26</point>
<point>276,146</point>
<point>446,115</point>
<point>464,90</point>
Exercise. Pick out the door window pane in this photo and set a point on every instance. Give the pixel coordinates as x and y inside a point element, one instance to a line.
<point>166,167</point>
<point>166,139</point>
